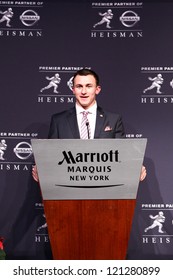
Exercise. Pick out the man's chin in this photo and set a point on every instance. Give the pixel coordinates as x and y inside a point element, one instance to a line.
<point>84,104</point>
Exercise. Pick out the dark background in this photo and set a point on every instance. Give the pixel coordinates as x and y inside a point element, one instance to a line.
<point>66,43</point>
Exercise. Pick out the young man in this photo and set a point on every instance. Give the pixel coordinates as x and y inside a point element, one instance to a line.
<point>86,119</point>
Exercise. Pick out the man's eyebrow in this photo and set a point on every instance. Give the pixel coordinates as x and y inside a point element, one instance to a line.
<point>77,85</point>
<point>89,84</point>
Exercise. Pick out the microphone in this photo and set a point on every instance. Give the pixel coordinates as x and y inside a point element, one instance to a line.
<point>88,130</point>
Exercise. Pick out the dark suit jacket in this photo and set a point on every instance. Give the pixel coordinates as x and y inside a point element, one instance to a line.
<point>64,125</point>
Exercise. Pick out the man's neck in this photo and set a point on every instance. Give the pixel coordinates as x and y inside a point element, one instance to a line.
<point>86,109</point>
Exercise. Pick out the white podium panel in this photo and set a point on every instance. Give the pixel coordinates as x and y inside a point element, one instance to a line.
<point>89,169</point>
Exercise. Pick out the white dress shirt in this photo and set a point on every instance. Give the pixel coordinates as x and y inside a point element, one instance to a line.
<point>91,118</point>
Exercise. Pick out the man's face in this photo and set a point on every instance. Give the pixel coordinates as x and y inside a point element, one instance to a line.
<point>85,90</point>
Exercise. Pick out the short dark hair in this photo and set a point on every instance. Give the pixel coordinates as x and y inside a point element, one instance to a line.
<point>85,72</point>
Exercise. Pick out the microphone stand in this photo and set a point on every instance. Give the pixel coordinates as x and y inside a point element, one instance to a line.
<point>87,124</point>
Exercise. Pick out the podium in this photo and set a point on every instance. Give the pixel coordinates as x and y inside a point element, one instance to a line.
<point>89,190</point>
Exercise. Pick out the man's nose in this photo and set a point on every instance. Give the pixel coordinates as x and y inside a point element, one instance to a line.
<point>83,90</point>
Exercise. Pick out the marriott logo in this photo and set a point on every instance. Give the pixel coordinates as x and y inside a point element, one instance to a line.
<point>70,158</point>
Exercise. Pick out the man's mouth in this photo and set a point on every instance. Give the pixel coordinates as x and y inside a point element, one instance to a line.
<point>84,97</point>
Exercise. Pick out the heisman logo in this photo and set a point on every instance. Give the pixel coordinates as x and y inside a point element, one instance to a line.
<point>3,147</point>
<point>106,18</point>
<point>54,82</point>
<point>157,82</point>
<point>6,16</point>
<point>158,221</point>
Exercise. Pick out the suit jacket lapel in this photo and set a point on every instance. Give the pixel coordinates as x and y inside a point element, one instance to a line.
<point>72,119</point>
<point>100,120</point>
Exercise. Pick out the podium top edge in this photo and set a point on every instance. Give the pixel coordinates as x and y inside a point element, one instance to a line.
<point>95,139</point>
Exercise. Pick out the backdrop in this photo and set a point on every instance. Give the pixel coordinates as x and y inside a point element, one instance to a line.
<point>129,44</point>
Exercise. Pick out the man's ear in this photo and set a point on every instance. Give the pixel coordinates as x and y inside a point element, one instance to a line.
<point>98,89</point>
<point>73,90</point>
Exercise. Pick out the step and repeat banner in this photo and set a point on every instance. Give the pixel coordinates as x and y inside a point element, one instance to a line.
<point>43,43</point>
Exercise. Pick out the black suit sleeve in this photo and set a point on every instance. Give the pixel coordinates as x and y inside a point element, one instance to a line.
<point>53,132</point>
<point>119,129</point>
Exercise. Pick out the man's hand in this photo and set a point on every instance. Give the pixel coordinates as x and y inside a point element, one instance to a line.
<point>143,173</point>
<point>35,173</point>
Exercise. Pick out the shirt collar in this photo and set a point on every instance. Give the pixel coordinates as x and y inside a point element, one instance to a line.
<point>91,110</point>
